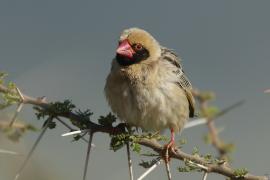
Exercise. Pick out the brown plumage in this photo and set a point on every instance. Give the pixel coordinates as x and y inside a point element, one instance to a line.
<point>147,87</point>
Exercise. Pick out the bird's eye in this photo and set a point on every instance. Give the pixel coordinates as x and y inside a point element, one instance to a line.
<point>138,47</point>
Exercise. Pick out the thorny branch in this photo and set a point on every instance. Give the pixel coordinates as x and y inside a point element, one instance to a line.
<point>209,167</point>
<point>221,147</point>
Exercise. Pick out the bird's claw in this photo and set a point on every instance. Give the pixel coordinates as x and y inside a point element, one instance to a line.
<point>169,149</point>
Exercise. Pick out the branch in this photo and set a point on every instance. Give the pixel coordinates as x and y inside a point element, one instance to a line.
<point>216,141</point>
<point>42,103</point>
<point>211,167</point>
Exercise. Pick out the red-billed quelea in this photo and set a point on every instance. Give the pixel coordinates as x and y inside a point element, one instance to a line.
<point>147,86</point>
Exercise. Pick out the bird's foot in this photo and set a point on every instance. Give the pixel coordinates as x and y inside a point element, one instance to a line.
<point>120,128</point>
<point>167,150</point>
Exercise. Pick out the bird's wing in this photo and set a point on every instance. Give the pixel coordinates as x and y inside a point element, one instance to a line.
<point>182,80</point>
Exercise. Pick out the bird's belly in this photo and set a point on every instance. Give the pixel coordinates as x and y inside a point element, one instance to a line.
<point>151,108</point>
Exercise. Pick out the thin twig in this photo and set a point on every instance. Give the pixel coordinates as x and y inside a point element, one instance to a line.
<point>205,174</point>
<point>129,163</point>
<point>3,151</point>
<point>18,110</point>
<point>88,155</point>
<point>200,121</point>
<point>215,139</point>
<point>213,168</point>
<point>228,109</point>
<point>17,125</point>
<point>168,170</point>
<point>148,171</point>
<point>33,147</point>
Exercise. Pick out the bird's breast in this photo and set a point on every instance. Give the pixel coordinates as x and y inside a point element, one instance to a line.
<point>151,106</point>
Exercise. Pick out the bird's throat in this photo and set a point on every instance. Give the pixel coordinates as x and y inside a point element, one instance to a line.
<point>124,61</point>
<point>136,58</point>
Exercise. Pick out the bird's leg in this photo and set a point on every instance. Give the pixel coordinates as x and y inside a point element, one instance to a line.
<point>169,147</point>
<point>120,128</point>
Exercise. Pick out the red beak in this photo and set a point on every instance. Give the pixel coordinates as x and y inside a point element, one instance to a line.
<point>125,49</point>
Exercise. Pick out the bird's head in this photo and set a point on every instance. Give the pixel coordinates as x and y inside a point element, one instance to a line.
<point>136,45</point>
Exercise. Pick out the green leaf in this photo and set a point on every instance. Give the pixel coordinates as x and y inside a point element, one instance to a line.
<point>118,141</point>
<point>240,173</point>
<point>30,127</point>
<point>228,148</point>
<point>107,120</point>
<point>189,167</point>
<point>209,158</point>
<point>195,151</point>
<point>184,169</point>
<point>149,154</point>
<point>207,95</point>
<point>2,76</point>
<point>51,124</point>
<point>11,86</point>
<point>3,106</point>
<point>148,164</point>
<point>183,142</point>
<point>207,138</point>
<point>136,147</point>
<point>211,111</point>
<point>77,137</point>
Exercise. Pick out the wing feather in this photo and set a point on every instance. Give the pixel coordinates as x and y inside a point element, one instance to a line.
<point>182,79</point>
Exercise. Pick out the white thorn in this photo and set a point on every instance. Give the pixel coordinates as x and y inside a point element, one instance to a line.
<point>75,132</point>
<point>205,168</point>
<point>194,123</point>
<point>205,175</point>
<point>3,151</point>
<point>131,176</point>
<point>20,94</point>
<point>148,171</point>
<point>18,110</point>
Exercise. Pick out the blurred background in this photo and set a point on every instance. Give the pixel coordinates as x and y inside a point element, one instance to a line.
<point>63,49</point>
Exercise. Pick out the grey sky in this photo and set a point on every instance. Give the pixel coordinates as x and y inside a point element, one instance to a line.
<point>63,49</point>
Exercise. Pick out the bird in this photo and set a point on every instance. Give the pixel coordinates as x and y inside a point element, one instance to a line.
<point>147,87</point>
